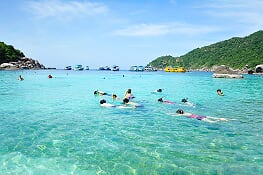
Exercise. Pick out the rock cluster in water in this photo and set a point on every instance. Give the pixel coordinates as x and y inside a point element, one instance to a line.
<point>225,72</point>
<point>22,63</point>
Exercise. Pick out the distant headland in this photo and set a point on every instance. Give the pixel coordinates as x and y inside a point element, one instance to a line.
<point>236,53</point>
<point>14,59</point>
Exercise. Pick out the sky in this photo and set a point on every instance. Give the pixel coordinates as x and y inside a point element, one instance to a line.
<point>98,33</point>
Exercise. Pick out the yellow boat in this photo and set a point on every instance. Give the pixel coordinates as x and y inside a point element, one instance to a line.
<point>171,69</point>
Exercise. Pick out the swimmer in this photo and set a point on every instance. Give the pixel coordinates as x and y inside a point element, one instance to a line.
<point>20,78</point>
<point>208,119</point>
<point>127,102</point>
<point>165,101</point>
<point>128,94</point>
<point>115,97</point>
<point>219,92</point>
<point>50,76</point>
<point>157,91</point>
<point>100,93</point>
<point>186,102</point>
<point>103,103</point>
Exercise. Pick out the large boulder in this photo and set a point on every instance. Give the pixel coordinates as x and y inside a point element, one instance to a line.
<point>225,72</point>
<point>259,68</point>
<point>8,66</point>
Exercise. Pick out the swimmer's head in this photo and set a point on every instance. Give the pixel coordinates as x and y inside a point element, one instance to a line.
<point>184,100</point>
<point>102,101</point>
<point>159,90</point>
<point>125,100</point>
<point>128,91</point>
<point>95,92</point>
<point>160,100</point>
<point>179,111</point>
<point>218,90</point>
<point>114,96</point>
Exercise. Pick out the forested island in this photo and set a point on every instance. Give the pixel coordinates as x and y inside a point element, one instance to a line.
<point>236,53</point>
<point>12,59</point>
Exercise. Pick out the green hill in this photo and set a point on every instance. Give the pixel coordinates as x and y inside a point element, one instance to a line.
<point>235,52</point>
<point>9,54</point>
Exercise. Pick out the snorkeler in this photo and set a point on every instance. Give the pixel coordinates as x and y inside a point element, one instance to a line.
<point>128,94</point>
<point>100,93</point>
<point>103,103</point>
<point>219,92</point>
<point>158,91</point>
<point>185,102</point>
<point>165,101</point>
<point>115,97</point>
<point>208,119</point>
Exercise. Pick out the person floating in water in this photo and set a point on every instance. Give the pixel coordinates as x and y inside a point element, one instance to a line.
<point>128,94</point>
<point>20,78</point>
<point>165,101</point>
<point>208,119</point>
<point>100,93</point>
<point>103,103</point>
<point>157,91</point>
<point>115,97</point>
<point>50,76</point>
<point>219,92</point>
<point>128,103</point>
<point>186,102</point>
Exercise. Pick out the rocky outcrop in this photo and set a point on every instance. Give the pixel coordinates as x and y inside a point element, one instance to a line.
<point>225,72</point>
<point>22,63</point>
<point>259,68</point>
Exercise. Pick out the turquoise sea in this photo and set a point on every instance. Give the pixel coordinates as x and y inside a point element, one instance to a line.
<point>56,126</point>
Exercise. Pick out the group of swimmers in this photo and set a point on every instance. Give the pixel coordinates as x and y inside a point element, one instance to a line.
<point>127,103</point>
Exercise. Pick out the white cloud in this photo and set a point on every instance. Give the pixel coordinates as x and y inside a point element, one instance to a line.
<point>67,9</point>
<point>242,11</point>
<point>163,29</point>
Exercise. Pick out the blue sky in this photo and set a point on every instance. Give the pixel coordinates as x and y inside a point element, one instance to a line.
<point>122,32</point>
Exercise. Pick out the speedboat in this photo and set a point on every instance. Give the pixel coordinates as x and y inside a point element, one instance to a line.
<point>149,68</point>
<point>78,67</point>
<point>137,68</point>
<point>68,68</point>
<point>115,68</point>
<point>133,68</point>
<point>104,68</point>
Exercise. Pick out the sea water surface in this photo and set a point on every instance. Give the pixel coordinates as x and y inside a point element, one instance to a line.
<point>56,126</point>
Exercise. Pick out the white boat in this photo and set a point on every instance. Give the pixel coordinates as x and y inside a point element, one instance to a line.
<point>68,68</point>
<point>149,68</point>
<point>115,68</point>
<point>104,68</point>
<point>140,68</point>
<point>78,67</point>
<point>133,68</point>
<point>137,68</point>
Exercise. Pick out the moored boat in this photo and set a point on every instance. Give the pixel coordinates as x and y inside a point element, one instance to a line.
<point>172,69</point>
<point>149,68</point>
<point>68,68</point>
<point>78,67</point>
<point>137,68</point>
<point>115,68</point>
